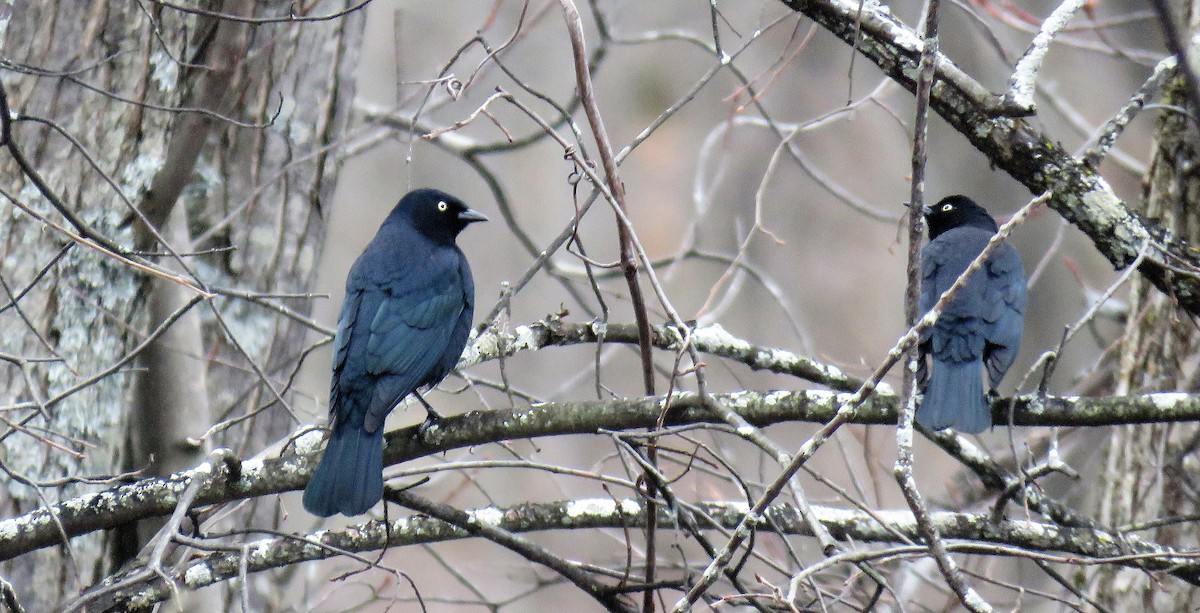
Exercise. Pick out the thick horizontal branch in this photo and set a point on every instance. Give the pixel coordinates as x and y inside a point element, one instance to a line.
<point>274,475</point>
<point>1080,194</point>
<point>711,339</point>
<point>965,533</point>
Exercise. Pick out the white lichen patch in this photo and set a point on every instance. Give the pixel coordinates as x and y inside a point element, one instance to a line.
<point>252,330</point>
<point>822,397</point>
<point>777,397</point>
<point>603,507</point>
<point>433,434</point>
<point>591,506</point>
<point>975,602</point>
<point>1045,532</point>
<point>523,337</point>
<point>1035,404</point>
<point>1167,401</point>
<point>32,197</point>
<point>308,442</point>
<point>785,360</point>
<point>488,516</point>
<point>875,11</point>
<point>832,515</point>
<point>254,466</point>
<point>164,71</point>
<point>260,549</point>
<point>484,344</point>
<point>9,530</point>
<point>715,338</point>
<point>740,507</point>
<point>207,181</point>
<point>739,401</point>
<point>831,371</point>
<point>301,132</point>
<point>137,175</point>
<point>491,344</point>
<point>1101,202</point>
<point>1103,538</point>
<point>198,575</point>
<point>6,14</point>
<point>101,500</point>
<point>630,506</point>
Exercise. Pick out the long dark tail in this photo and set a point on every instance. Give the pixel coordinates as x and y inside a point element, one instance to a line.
<point>349,479</point>
<point>954,398</point>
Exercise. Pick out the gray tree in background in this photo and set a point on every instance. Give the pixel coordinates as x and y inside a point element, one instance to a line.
<point>687,384</point>
<point>163,179</point>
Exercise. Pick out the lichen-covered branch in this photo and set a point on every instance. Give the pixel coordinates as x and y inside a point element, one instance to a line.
<point>1079,193</point>
<point>711,339</point>
<point>966,533</point>
<point>485,526</point>
<point>281,473</point>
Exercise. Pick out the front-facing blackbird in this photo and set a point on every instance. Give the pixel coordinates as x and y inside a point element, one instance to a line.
<point>980,327</point>
<point>404,322</point>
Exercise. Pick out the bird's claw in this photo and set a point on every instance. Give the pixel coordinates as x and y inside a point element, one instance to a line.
<point>432,421</point>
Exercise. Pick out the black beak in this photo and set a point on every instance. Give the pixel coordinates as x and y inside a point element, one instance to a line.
<point>471,216</point>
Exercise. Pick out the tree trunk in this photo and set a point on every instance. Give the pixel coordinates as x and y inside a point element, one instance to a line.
<point>1149,468</point>
<point>255,189</point>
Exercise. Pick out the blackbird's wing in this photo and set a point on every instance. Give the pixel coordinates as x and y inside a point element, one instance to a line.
<point>1006,298</point>
<point>930,263</point>
<point>409,333</point>
<point>959,334</point>
<point>462,328</point>
<point>341,349</point>
<point>931,258</point>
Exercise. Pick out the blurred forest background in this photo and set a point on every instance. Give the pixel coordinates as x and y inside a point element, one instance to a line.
<point>768,189</point>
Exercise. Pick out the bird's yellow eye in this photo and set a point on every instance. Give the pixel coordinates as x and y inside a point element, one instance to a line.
<point>442,206</point>
<point>946,208</point>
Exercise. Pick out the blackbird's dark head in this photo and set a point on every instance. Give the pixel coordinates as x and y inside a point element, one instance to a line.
<point>956,212</point>
<point>434,214</point>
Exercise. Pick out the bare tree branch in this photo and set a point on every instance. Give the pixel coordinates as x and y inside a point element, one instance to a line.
<point>967,533</point>
<point>1078,193</point>
<point>274,474</point>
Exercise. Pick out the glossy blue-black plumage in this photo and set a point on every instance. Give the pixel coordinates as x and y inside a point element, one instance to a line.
<point>404,322</point>
<point>980,328</point>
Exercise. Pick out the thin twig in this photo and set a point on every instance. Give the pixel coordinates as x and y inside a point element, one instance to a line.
<point>629,263</point>
<point>482,525</point>
<point>903,469</point>
<point>1175,44</point>
<point>1018,100</point>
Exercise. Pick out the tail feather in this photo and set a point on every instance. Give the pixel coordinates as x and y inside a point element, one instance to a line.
<point>349,478</point>
<point>954,398</point>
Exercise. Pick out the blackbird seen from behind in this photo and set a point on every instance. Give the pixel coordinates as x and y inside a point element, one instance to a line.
<point>981,326</point>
